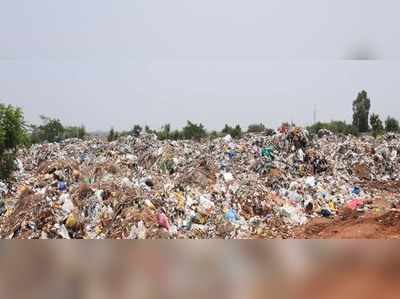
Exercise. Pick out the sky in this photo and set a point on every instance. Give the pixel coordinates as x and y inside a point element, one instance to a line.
<point>117,63</point>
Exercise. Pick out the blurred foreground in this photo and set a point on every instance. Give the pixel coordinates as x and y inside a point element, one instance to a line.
<point>199,270</point>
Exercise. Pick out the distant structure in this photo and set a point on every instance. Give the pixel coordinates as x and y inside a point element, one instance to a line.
<point>315,115</point>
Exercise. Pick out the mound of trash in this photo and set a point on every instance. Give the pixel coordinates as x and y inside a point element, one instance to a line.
<point>259,186</point>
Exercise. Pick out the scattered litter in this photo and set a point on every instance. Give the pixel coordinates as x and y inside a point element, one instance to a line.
<point>326,213</point>
<point>232,216</point>
<point>354,204</point>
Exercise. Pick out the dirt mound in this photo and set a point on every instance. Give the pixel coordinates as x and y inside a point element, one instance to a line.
<point>386,226</point>
<point>361,171</point>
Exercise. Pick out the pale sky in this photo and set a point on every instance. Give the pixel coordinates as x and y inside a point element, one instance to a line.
<point>117,63</point>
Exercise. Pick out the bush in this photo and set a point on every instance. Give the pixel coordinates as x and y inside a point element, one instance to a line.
<point>176,135</point>
<point>234,132</point>
<point>164,134</point>
<point>193,131</point>
<point>7,165</point>
<point>148,130</point>
<point>337,127</point>
<point>136,130</point>
<point>50,131</point>
<point>392,125</point>
<point>256,128</point>
<point>74,132</point>
<point>12,134</point>
<point>376,125</point>
<point>112,135</point>
<point>214,135</point>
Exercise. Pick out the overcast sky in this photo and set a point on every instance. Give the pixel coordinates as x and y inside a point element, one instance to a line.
<point>117,63</point>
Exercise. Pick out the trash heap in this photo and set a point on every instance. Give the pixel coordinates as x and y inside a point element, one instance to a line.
<point>259,186</point>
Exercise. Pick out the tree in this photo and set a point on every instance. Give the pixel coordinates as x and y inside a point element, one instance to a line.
<point>227,129</point>
<point>12,134</point>
<point>165,132</point>
<point>74,132</point>
<point>237,132</point>
<point>112,135</point>
<point>234,132</point>
<point>361,107</point>
<point>213,135</point>
<point>176,135</point>
<point>376,124</point>
<point>392,125</point>
<point>193,131</point>
<point>81,132</point>
<point>337,127</point>
<point>51,130</point>
<point>256,128</point>
<point>137,130</point>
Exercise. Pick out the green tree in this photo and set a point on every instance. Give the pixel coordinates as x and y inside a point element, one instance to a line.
<point>376,124</point>
<point>237,132</point>
<point>337,127</point>
<point>51,130</point>
<point>74,132</point>
<point>82,132</point>
<point>137,130</point>
<point>165,132</point>
<point>12,134</point>
<point>112,135</point>
<point>193,131</point>
<point>227,130</point>
<point>256,128</point>
<point>214,135</point>
<point>234,132</point>
<point>176,135</point>
<point>392,125</point>
<point>361,107</point>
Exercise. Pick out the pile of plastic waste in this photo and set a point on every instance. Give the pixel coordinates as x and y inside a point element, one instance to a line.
<point>258,186</point>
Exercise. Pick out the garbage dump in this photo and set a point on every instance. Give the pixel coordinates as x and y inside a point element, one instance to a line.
<point>256,187</point>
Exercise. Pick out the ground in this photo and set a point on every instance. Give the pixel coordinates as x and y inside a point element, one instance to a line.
<point>381,222</point>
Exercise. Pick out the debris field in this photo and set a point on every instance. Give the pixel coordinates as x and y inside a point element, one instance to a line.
<point>283,185</point>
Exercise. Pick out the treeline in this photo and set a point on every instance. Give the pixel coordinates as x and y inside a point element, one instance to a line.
<point>337,127</point>
<point>376,128</point>
<point>52,130</point>
<point>363,122</point>
<point>191,131</point>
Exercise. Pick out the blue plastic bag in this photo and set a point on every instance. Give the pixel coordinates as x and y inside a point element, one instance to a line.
<point>62,186</point>
<point>231,216</point>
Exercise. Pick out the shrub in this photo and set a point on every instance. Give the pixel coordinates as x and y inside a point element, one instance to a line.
<point>234,132</point>
<point>256,128</point>
<point>392,125</point>
<point>337,127</point>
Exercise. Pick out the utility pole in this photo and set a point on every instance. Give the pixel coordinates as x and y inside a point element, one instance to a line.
<point>315,115</point>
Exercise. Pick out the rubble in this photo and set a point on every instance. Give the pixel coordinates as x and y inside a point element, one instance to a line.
<point>258,186</point>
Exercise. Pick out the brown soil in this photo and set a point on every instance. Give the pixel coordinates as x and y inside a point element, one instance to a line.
<point>390,186</point>
<point>369,226</point>
<point>361,171</point>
